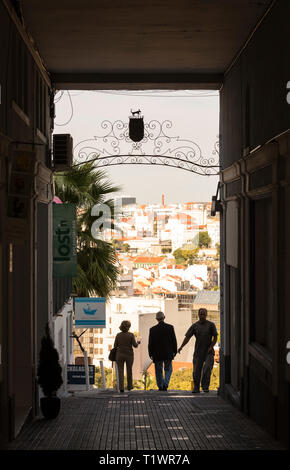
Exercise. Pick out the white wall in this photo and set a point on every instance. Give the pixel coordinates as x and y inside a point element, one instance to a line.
<point>181,320</point>
<point>213,230</point>
<point>62,330</point>
<point>126,308</point>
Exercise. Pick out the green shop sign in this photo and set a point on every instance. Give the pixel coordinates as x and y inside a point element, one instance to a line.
<point>64,240</point>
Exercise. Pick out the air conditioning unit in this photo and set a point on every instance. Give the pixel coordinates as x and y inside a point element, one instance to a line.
<point>62,152</point>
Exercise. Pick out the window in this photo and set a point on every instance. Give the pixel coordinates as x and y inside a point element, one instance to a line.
<point>261,272</point>
<point>20,77</point>
<point>40,103</point>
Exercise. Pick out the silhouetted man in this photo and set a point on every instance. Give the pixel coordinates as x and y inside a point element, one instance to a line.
<point>206,335</point>
<point>162,348</point>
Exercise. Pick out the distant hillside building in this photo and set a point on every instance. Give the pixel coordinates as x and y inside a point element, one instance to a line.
<point>210,300</point>
<point>126,200</point>
<point>147,261</point>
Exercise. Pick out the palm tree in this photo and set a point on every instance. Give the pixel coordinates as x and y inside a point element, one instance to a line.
<point>98,269</point>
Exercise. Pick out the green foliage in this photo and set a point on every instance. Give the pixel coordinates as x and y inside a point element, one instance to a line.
<point>185,257</point>
<point>180,380</point>
<point>215,378</point>
<point>116,244</point>
<point>148,382</point>
<point>49,371</point>
<point>98,269</point>
<point>218,249</point>
<point>204,240</point>
<point>99,379</point>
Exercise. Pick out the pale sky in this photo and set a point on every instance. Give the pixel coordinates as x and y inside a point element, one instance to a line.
<point>194,116</point>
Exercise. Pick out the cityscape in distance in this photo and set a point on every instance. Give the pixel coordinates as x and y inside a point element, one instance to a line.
<point>168,256</point>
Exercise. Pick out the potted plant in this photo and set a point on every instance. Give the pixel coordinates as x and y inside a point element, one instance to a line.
<point>49,375</point>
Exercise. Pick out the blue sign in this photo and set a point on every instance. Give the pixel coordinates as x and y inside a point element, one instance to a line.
<point>76,374</point>
<point>90,312</point>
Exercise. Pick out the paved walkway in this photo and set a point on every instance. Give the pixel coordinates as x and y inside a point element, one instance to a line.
<point>139,420</point>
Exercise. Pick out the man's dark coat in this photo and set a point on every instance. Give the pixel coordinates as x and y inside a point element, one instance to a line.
<point>162,342</point>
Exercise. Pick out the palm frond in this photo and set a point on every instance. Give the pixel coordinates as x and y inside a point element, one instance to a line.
<point>98,267</point>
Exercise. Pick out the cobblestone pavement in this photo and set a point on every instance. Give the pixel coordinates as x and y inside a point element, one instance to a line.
<point>148,420</point>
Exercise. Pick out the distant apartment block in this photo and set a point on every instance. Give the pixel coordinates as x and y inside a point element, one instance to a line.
<point>125,284</point>
<point>211,301</point>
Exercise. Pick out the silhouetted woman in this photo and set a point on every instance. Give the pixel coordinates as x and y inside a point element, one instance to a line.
<point>124,342</point>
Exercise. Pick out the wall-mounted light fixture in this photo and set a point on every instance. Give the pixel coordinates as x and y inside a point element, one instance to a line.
<point>216,205</point>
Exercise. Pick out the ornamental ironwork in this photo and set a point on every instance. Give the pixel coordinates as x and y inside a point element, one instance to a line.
<point>118,146</point>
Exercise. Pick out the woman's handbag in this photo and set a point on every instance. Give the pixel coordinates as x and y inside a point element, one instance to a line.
<point>112,354</point>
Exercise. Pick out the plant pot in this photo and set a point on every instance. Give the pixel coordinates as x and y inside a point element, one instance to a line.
<point>50,407</point>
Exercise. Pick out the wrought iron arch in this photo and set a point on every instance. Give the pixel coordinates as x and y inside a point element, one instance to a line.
<point>165,150</point>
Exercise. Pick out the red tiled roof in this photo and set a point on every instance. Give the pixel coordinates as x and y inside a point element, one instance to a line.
<point>130,238</point>
<point>138,291</point>
<point>185,292</point>
<point>174,266</point>
<point>148,259</point>
<point>141,283</point>
<point>161,290</point>
<point>178,278</point>
<point>161,217</point>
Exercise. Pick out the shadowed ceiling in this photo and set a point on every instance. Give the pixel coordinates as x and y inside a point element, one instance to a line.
<point>89,43</point>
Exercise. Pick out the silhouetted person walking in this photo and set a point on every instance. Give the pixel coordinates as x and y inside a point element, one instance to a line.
<point>206,334</point>
<point>162,347</point>
<point>124,342</point>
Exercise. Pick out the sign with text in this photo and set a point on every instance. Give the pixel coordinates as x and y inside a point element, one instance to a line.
<point>21,182</point>
<point>76,374</point>
<point>64,240</point>
<point>90,312</point>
